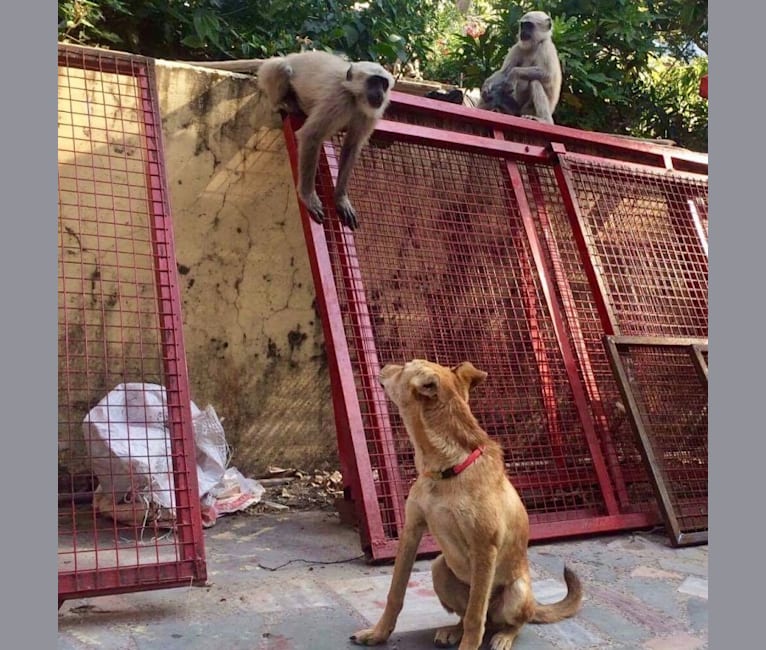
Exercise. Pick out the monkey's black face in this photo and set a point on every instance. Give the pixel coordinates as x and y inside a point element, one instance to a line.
<point>376,90</point>
<point>526,30</point>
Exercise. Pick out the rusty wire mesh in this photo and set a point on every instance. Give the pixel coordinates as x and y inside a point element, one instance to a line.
<point>630,479</point>
<point>119,328</point>
<point>448,275</point>
<point>644,232</point>
<point>519,258</point>
<point>667,399</point>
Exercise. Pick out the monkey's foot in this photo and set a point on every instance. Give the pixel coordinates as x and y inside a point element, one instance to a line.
<point>448,636</point>
<point>314,206</point>
<point>346,212</point>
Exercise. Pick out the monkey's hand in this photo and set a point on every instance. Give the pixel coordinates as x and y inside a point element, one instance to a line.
<point>537,119</point>
<point>529,73</point>
<point>369,637</point>
<point>346,212</point>
<point>314,206</point>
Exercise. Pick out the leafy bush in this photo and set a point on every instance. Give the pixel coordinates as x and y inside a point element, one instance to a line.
<point>630,66</point>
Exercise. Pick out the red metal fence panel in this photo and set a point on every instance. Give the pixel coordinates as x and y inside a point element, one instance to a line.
<point>473,245</point>
<point>664,385</point>
<point>119,330</point>
<point>645,230</point>
<point>637,251</point>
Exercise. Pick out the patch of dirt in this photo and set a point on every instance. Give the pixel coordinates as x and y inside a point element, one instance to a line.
<point>291,489</point>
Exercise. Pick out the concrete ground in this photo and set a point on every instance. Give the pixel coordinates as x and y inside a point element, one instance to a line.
<point>297,581</point>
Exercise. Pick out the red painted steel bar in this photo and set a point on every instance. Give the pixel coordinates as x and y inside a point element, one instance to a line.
<point>569,196</point>
<point>88,58</point>
<point>589,525</point>
<point>415,134</point>
<point>577,389</point>
<point>355,459</point>
<point>585,523</point>
<point>100,560</point>
<point>612,145</point>
<point>85,583</point>
<point>626,165</point>
<point>541,356</point>
<point>586,391</point>
<point>188,512</point>
<point>578,339</point>
<point>370,365</point>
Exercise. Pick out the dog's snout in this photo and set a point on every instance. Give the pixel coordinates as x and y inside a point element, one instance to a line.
<point>386,372</point>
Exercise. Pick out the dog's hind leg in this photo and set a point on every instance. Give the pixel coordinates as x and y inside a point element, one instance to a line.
<point>453,595</point>
<point>509,611</point>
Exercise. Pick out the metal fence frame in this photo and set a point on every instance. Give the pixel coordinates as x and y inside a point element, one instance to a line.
<point>516,144</point>
<point>188,568</point>
<point>654,456</point>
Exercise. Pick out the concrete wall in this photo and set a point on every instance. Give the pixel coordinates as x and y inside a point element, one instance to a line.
<point>253,338</point>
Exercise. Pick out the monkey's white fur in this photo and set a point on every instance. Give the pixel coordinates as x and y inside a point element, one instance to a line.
<point>531,71</point>
<point>335,95</point>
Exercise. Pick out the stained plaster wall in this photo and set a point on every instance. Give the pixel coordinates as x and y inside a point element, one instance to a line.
<point>253,338</point>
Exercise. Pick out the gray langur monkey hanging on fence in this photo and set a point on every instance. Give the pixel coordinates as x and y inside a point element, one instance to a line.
<point>528,84</point>
<point>335,95</point>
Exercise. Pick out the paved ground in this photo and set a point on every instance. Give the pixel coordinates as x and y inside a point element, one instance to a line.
<point>297,582</point>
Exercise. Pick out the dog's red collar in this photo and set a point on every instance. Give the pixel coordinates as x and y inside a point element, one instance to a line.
<point>456,469</point>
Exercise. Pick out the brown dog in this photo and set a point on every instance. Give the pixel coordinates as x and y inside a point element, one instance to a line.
<point>463,497</point>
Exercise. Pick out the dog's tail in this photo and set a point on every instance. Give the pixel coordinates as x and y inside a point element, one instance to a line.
<point>566,607</point>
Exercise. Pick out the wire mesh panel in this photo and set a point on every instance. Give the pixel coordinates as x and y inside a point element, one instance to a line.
<point>474,244</point>
<point>631,482</point>
<point>456,281</point>
<point>645,233</point>
<point>445,268</point>
<point>666,397</point>
<point>129,515</point>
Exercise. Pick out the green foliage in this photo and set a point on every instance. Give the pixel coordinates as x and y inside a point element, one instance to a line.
<point>81,21</point>
<point>630,66</point>
<point>477,45</point>
<point>379,30</point>
<point>672,107</point>
<point>610,52</point>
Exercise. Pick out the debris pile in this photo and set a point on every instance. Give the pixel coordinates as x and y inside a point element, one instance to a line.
<point>293,489</point>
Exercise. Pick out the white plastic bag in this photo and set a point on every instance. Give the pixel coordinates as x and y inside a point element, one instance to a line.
<point>129,447</point>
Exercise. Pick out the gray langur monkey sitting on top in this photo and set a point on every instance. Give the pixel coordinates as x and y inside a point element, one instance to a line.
<point>528,84</point>
<point>335,95</point>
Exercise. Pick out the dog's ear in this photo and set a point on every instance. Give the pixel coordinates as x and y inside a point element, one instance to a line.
<point>426,384</point>
<point>469,374</point>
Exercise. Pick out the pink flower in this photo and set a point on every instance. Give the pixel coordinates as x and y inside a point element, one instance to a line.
<point>474,28</point>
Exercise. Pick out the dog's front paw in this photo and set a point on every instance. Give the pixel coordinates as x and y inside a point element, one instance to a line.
<point>368,637</point>
<point>446,637</point>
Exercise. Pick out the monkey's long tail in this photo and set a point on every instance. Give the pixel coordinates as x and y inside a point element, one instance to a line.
<point>248,66</point>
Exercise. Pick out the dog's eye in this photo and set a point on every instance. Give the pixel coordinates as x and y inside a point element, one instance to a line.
<point>429,385</point>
